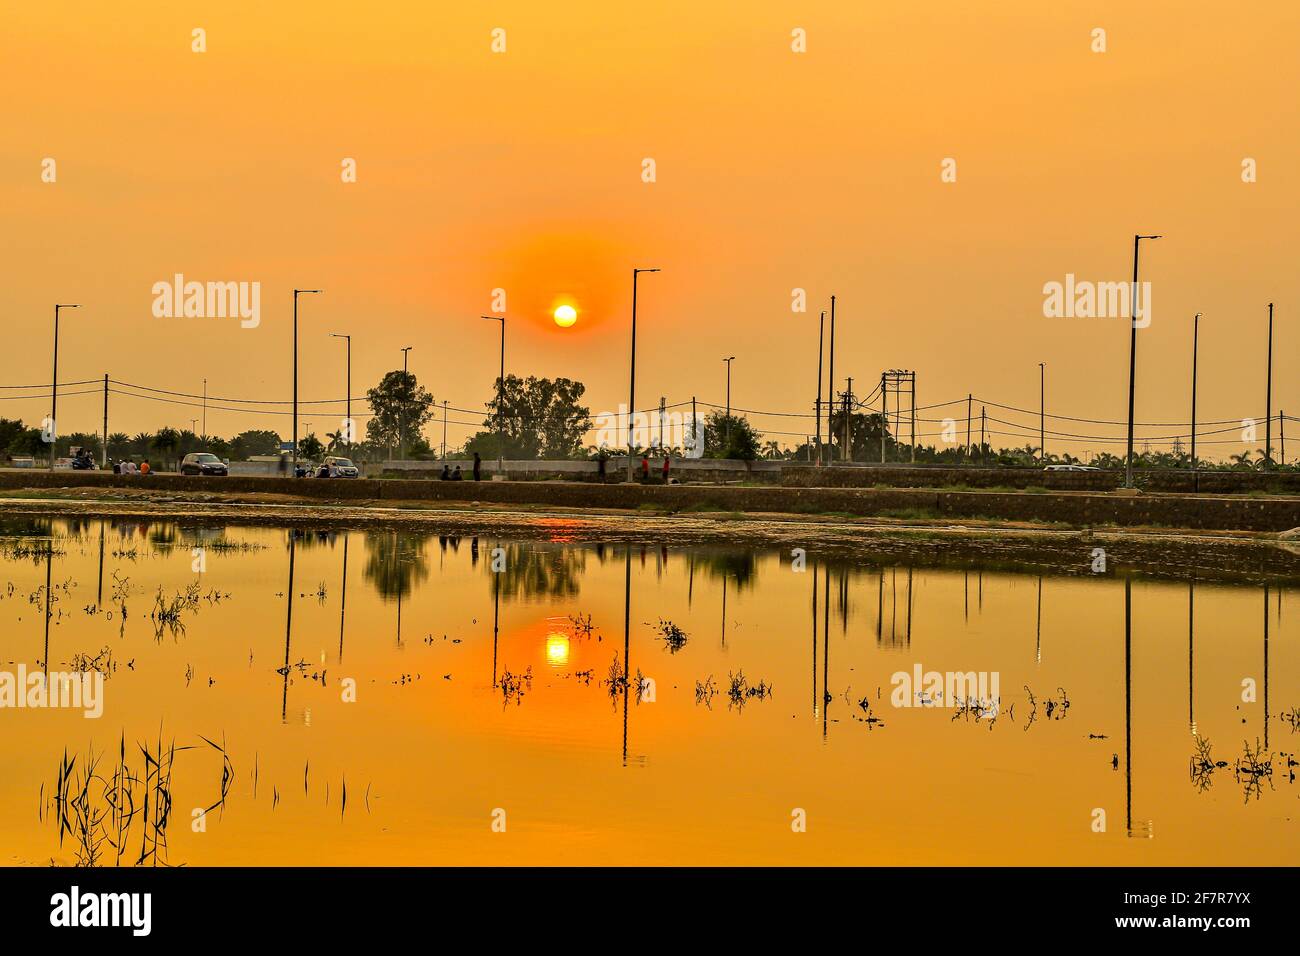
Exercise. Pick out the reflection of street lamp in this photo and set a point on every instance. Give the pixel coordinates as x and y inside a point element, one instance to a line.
<point>631,391</point>
<point>54,384</point>
<point>1132,360</point>
<point>501,396</point>
<point>296,293</point>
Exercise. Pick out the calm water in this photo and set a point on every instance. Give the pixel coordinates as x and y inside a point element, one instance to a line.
<point>589,700</point>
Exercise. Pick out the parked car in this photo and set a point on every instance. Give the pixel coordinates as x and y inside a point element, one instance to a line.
<point>1070,468</point>
<point>203,463</point>
<point>336,467</point>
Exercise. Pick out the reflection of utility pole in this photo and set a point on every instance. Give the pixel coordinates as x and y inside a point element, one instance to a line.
<point>288,624</point>
<point>343,607</point>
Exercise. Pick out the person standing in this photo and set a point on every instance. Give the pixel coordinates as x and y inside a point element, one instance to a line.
<point>667,465</point>
<point>645,468</point>
<point>478,467</point>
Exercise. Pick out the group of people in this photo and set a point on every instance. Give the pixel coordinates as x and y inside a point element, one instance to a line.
<point>602,460</point>
<point>127,466</point>
<point>450,474</point>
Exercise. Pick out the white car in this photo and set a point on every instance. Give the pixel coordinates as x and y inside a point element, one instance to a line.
<point>336,467</point>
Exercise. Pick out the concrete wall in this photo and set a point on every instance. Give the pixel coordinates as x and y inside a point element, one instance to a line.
<point>683,469</point>
<point>1073,508</point>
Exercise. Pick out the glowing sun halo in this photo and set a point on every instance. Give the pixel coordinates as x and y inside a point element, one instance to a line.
<point>565,316</point>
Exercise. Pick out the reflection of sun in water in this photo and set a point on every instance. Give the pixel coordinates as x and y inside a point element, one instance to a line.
<point>557,649</point>
<point>565,316</point>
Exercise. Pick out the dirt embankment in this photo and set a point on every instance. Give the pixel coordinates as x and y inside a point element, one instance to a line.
<point>1057,508</point>
<point>918,542</point>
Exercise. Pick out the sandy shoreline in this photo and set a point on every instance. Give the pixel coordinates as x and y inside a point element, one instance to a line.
<point>1163,553</point>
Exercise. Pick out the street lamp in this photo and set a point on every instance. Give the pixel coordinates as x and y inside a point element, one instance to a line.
<point>729,360</point>
<point>1042,413</point>
<point>1196,329</point>
<point>349,428</point>
<point>54,385</point>
<point>501,396</point>
<point>401,434</point>
<point>296,293</point>
<point>821,336</point>
<point>631,391</point>
<point>1132,360</point>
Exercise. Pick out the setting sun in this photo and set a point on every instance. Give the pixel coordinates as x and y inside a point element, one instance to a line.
<point>565,316</point>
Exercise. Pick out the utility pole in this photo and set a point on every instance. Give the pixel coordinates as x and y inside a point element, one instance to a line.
<point>969,400</point>
<point>848,419</point>
<point>663,408</point>
<point>54,385</point>
<point>1132,360</point>
<point>913,394</point>
<point>1281,424</point>
<point>501,385</point>
<point>296,293</point>
<point>821,334</point>
<point>1196,322</point>
<point>1268,396</point>
<point>830,395</point>
<point>631,391</point>
<point>406,394</point>
<point>444,430</point>
<point>729,361</point>
<point>103,454</point>
<point>205,411</point>
<point>350,427</point>
<point>982,410</point>
<point>696,437</point>
<point>884,416</point>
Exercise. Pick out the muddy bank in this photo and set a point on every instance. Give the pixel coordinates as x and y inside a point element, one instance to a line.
<point>1076,509</point>
<point>1235,557</point>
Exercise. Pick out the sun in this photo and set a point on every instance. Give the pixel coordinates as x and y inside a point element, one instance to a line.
<point>565,316</point>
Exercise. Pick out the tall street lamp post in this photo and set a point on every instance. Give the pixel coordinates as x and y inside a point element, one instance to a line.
<point>296,293</point>
<point>349,428</point>
<point>729,360</point>
<point>1132,359</point>
<point>631,391</point>
<point>54,385</point>
<point>501,396</point>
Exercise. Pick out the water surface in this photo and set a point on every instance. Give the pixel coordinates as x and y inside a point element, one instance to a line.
<point>511,701</point>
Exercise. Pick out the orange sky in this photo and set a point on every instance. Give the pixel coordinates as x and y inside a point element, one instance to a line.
<point>776,170</point>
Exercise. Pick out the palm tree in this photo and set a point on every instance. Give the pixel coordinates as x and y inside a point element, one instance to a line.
<point>166,441</point>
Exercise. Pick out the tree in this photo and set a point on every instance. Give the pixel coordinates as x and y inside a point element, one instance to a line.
<point>311,448</point>
<point>539,418</point>
<point>166,441</point>
<point>119,445</point>
<point>10,432</point>
<point>254,442</point>
<point>743,443</point>
<point>401,407</point>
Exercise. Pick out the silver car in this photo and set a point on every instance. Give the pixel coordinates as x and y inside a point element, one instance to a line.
<point>336,467</point>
